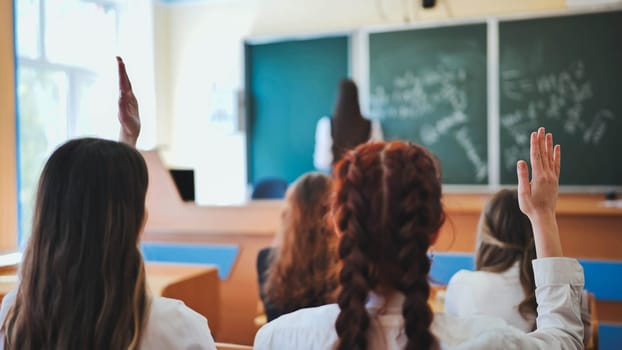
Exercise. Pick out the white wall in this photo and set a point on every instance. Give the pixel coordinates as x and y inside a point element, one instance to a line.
<point>199,50</point>
<point>200,60</point>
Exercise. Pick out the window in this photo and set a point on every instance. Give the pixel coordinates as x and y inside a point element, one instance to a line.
<point>66,82</point>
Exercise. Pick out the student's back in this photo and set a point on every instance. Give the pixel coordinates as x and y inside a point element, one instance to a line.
<point>497,294</point>
<point>503,284</point>
<point>170,325</point>
<point>314,328</point>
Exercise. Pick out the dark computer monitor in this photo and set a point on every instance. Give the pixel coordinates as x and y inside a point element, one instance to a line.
<point>184,180</point>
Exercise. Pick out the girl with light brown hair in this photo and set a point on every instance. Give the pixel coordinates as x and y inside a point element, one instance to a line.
<point>300,270</point>
<point>503,284</point>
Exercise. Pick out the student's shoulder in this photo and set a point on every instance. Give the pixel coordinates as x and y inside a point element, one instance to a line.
<point>7,303</point>
<point>170,320</point>
<point>314,327</point>
<point>313,317</point>
<point>473,332</point>
<point>463,276</point>
<point>165,307</point>
<point>476,288</point>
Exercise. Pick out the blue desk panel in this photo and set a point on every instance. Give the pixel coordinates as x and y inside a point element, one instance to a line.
<point>222,256</point>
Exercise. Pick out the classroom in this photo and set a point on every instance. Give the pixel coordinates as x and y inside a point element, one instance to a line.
<point>237,99</point>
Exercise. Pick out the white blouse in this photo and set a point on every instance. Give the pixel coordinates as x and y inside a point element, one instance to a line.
<point>171,325</point>
<point>323,154</point>
<point>559,282</point>
<point>498,294</point>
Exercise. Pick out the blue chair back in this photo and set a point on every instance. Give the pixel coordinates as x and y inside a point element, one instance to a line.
<point>269,188</point>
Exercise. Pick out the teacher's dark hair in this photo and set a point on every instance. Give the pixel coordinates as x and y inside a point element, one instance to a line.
<point>349,128</point>
<point>82,279</point>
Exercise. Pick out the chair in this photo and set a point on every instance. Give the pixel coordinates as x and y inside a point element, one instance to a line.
<point>229,346</point>
<point>592,342</point>
<point>269,188</point>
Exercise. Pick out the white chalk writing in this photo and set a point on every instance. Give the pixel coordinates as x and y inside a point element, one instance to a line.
<point>415,95</point>
<point>425,95</point>
<point>464,140</point>
<point>561,97</point>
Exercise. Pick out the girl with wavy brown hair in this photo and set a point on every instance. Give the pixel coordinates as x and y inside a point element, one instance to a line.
<point>388,212</point>
<point>300,270</point>
<point>82,280</point>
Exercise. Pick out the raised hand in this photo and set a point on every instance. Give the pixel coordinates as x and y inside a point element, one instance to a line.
<point>128,108</point>
<point>538,199</point>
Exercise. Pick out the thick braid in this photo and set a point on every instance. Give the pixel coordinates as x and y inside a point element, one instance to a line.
<point>352,207</point>
<point>414,215</point>
<point>387,208</point>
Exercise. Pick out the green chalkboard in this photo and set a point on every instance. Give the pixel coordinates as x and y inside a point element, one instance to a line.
<point>290,85</point>
<point>430,86</point>
<point>564,73</point>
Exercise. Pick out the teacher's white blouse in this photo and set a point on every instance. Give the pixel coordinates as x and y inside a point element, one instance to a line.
<point>323,153</point>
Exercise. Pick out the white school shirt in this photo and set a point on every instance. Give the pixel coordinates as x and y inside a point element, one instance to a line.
<point>497,294</point>
<point>171,325</point>
<point>323,153</point>
<point>559,282</point>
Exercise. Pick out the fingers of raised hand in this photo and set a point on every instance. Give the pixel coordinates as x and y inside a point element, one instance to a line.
<point>545,158</point>
<point>557,159</point>
<point>542,153</point>
<point>534,154</point>
<point>524,187</point>
<point>549,151</point>
<point>544,161</point>
<point>522,171</point>
<point>125,86</point>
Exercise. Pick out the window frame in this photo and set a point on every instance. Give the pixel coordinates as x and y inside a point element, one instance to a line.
<point>75,76</point>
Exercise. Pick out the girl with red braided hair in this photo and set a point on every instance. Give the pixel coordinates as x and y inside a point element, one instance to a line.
<point>387,210</point>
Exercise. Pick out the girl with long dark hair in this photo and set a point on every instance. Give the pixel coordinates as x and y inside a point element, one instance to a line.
<point>82,280</point>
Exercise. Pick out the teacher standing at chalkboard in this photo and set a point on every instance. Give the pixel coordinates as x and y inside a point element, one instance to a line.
<point>345,130</point>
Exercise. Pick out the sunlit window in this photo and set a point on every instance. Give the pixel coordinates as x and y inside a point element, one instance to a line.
<point>65,52</point>
<point>79,34</point>
<point>28,25</point>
